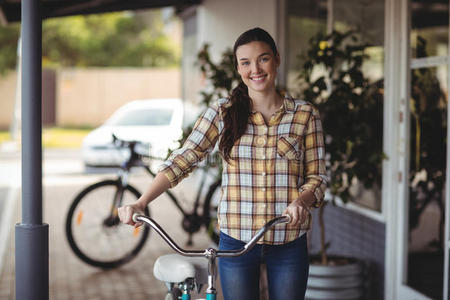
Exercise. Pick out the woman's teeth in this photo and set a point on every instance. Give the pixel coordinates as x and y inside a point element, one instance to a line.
<point>259,78</point>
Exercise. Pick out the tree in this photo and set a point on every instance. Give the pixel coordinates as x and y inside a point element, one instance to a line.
<point>9,35</point>
<point>122,39</point>
<point>114,39</point>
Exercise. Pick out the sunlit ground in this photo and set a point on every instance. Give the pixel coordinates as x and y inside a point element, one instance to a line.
<point>56,137</point>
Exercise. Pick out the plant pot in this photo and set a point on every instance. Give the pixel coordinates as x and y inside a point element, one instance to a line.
<point>343,278</point>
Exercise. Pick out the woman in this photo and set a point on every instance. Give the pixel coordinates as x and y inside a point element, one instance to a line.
<point>273,156</point>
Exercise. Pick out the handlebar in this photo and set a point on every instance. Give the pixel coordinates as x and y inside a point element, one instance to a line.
<point>136,156</point>
<point>211,252</point>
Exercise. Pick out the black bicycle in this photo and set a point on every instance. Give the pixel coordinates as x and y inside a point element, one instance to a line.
<point>93,228</point>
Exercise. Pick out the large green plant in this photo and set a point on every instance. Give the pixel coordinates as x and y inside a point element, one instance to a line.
<point>351,108</point>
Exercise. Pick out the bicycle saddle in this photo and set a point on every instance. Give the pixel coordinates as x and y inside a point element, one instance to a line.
<point>175,268</point>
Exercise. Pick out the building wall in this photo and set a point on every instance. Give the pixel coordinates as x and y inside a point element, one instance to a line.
<point>7,96</point>
<point>221,22</point>
<point>87,97</point>
<point>352,234</point>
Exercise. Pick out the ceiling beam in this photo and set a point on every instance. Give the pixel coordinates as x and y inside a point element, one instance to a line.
<point>51,9</point>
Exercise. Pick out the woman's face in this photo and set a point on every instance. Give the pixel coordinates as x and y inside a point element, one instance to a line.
<point>257,65</point>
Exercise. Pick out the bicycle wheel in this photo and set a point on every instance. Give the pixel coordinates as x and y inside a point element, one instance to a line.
<point>174,294</point>
<point>210,211</point>
<point>93,228</point>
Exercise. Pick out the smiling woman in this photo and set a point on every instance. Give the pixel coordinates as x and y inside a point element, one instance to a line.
<point>273,164</point>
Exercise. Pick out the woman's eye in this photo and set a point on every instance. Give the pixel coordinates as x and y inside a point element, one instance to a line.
<point>245,63</point>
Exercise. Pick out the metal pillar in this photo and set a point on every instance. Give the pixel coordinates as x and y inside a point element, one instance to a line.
<point>31,235</point>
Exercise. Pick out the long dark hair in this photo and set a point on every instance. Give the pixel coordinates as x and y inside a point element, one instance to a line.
<point>236,116</point>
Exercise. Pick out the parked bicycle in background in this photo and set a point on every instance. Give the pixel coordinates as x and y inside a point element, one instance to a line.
<point>94,231</point>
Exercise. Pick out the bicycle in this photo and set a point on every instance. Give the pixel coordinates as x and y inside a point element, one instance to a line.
<point>94,231</point>
<point>182,274</point>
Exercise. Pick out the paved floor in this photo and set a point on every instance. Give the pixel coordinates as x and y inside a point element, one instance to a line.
<point>70,278</point>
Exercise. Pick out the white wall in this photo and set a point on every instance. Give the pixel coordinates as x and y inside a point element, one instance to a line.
<point>221,22</point>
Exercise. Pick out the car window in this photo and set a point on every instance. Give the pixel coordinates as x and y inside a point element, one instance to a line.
<point>142,117</point>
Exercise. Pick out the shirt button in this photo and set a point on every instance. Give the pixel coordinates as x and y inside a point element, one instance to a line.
<point>261,141</point>
<point>263,157</point>
<point>263,173</point>
<point>263,189</point>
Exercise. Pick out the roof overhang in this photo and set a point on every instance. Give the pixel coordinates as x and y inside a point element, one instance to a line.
<point>10,10</point>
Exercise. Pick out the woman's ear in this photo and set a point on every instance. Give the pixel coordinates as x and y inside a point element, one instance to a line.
<point>277,59</point>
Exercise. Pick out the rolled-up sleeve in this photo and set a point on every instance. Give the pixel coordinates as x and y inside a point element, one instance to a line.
<point>200,142</point>
<point>316,178</point>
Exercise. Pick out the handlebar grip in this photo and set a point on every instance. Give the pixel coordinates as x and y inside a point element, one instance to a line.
<point>135,217</point>
<point>288,218</point>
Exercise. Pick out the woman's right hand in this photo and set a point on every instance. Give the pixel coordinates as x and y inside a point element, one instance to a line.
<point>126,214</point>
<point>159,185</point>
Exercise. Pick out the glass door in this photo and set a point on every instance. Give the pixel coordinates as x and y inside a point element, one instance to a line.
<point>424,250</point>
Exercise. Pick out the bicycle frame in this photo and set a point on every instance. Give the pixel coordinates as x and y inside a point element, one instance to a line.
<point>191,220</point>
<point>210,254</point>
<point>135,161</point>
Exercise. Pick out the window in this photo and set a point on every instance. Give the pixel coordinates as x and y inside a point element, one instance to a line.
<point>366,17</point>
<point>304,20</point>
<point>190,74</point>
<point>428,146</point>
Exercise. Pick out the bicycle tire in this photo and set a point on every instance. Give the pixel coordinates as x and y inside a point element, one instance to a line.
<point>78,238</point>
<point>174,294</point>
<point>210,211</point>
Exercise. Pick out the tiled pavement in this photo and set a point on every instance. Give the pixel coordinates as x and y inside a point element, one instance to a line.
<point>70,278</point>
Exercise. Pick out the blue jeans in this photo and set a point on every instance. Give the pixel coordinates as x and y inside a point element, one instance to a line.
<point>287,270</point>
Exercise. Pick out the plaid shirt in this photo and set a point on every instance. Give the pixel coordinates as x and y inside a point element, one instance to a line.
<point>270,165</point>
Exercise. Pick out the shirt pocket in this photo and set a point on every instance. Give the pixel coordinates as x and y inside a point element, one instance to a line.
<point>290,148</point>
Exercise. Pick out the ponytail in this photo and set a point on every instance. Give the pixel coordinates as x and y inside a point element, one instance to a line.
<point>235,119</point>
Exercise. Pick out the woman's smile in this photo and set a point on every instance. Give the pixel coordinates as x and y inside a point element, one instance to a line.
<point>257,65</point>
<point>258,78</point>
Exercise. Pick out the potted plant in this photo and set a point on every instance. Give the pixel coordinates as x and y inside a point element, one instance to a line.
<point>351,108</point>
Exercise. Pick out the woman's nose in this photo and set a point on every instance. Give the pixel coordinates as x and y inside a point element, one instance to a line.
<point>255,67</point>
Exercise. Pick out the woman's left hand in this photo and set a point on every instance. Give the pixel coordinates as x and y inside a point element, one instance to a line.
<point>298,210</point>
